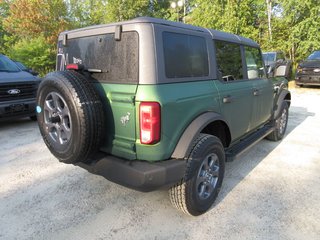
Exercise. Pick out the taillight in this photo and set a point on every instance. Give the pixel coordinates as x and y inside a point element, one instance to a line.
<point>150,122</point>
<point>74,66</point>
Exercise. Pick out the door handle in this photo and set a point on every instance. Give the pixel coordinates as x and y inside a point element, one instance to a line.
<point>227,99</point>
<point>256,92</point>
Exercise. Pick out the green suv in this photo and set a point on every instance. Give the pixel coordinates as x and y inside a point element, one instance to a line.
<point>150,103</point>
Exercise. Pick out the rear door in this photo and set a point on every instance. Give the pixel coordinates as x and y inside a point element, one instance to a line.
<point>236,98</point>
<point>112,65</point>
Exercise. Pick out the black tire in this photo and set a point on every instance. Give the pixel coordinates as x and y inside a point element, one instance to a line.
<point>33,118</point>
<point>199,188</point>
<point>280,123</point>
<point>70,116</point>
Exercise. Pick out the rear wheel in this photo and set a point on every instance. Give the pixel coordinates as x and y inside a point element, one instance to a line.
<point>201,184</point>
<point>70,116</point>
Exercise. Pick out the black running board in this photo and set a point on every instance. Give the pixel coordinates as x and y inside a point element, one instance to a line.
<point>246,143</point>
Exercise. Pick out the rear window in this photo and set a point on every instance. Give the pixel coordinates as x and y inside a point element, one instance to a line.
<point>117,60</point>
<point>185,55</point>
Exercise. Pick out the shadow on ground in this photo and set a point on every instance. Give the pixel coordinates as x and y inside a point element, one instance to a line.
<point>237,170</point>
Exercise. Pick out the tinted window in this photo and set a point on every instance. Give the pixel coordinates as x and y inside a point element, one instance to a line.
<point>117,60</point>
<point>254,63</point>
<point>185,55</point>
<point>7,65</point>
<point>229,61</point>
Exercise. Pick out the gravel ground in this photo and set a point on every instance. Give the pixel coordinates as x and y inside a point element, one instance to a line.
<point>269,192</point>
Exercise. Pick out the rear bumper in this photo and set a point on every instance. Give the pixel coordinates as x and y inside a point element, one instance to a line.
<point>17,109</point>
<point>139,175</point>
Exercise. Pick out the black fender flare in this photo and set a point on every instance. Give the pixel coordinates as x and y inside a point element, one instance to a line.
<point>192,131</point>
<point>284,95</point>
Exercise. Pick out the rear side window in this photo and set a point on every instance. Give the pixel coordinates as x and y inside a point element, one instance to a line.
<point>117,60</point>
<point>185,55</point>
<point>254,63</point>
<point>229,61</point>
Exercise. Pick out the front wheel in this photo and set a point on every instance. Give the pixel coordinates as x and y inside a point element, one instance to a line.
<point>199,188</point>
<point>280,123</point>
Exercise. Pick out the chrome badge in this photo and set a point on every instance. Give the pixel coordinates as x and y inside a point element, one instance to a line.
<point>125,119</point>
<point>13,91</point>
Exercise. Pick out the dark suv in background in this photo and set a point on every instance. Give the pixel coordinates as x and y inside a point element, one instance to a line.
<point>308,71</point>
<point>17,91</point>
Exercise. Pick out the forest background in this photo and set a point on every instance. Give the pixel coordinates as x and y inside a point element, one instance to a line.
<point>29,28</point>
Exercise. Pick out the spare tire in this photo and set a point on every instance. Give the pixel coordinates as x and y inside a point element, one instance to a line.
<point>70,116</point>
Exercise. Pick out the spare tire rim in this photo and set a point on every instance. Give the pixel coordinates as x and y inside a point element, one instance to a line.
<point>57,118</point>
<point>208,175</point>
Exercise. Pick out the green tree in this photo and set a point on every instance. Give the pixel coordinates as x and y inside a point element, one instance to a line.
<point>84,13</point>
<point>87,12</point>
<point>119,10</point>
<point>302,19</point>
<point>35,53</point>
<point>33,27</point>
<point>235,16</point>
<point>4,35</point>
<point>29,18</point>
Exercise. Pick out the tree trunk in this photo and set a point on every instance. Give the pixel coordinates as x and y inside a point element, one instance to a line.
<point>269,10</point>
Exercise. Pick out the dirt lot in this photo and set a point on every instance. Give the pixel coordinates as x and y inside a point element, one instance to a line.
<point>270,192</point>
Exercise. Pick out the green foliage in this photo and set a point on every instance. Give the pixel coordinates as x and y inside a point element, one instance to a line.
<point>295,24</point>
<point>235,16</point>
<point>303,20</point>
<point>119,10</point>
<point>87,12</point>
<point>84,13</point>
<point>35,24</point>
<point>4,10</point>
<point>30,18</point>
<point>35,53</point>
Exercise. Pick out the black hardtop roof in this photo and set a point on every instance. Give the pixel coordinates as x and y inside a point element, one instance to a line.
<point>215,34</point>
